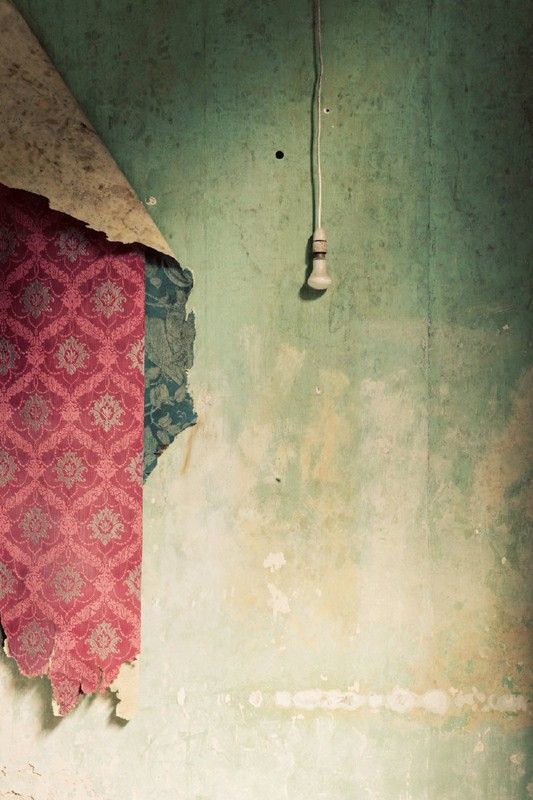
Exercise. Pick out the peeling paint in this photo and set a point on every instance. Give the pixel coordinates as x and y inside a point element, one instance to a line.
<point>278,602</point>
<point>274,561</point>
<point>256,699</point>
<point>400,701</point>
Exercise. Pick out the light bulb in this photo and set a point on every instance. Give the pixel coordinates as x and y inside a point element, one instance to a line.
<point>319,278</point>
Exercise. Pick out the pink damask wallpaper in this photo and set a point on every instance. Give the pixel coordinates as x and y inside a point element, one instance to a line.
<point>71,447</point>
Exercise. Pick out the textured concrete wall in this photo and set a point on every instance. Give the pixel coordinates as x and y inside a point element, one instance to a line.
<point>336,567</point>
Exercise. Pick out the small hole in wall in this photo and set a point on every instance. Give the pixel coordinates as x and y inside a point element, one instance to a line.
<point>280,154</point>
<point>327,110</point>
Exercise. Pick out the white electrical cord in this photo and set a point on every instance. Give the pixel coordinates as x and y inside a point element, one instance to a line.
<point>319,278</point>
<point>318,93</point>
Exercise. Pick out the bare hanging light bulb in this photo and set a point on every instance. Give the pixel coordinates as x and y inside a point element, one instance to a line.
<point>319,278</point>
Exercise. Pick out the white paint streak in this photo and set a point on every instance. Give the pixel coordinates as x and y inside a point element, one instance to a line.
<point>506,703</point>
<point>256,699</point>
<point>400,701</point>
<point>278,602</point>
<point>274,561</point>
<point>436,701</point>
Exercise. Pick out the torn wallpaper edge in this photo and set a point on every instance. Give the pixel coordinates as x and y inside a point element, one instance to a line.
<point>50,148</point>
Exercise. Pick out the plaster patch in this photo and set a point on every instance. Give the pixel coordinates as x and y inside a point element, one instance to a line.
<point>507,459</point>
<point>326,430</point>
<point>517,768</point>
<point>278,602</point>
<point>254,440</point>
<point>400,701</point>
<point>256,699</point>
<point>274,561</point>
<point>22,781</point>
<point>283,699</point>
<point>289,362</point>
<point>506,703</point>
<point>436,701</point>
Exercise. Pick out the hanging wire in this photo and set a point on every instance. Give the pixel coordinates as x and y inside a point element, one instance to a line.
<point>318,96</point>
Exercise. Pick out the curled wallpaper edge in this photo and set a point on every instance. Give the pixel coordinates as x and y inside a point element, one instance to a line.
<point>50,148</point>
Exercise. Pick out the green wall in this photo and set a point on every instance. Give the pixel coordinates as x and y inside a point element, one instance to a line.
<point>378,437</point>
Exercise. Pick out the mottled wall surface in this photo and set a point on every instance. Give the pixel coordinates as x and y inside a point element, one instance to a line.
<point>336,567</point>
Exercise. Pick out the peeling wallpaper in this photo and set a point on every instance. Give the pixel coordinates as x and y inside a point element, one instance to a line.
<point>336,593</point>
<point>49,147</point>
<point>72,332</point>
<point>169,338</point>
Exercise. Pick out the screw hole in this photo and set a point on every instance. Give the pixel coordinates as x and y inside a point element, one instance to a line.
<point>327,110</point>
<point>280,154</point>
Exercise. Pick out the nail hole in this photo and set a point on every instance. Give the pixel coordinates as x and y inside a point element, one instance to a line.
<point>280,154</point>
<point>327,110</point>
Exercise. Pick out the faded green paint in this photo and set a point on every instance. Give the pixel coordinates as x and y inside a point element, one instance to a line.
<point>377,437</point>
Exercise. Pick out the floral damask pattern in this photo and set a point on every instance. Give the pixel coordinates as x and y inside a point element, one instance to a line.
<point>33,640</point>
<point>168,407</point>
<point>36,299</point>
<point>71,355</point>
<point>72,244</point>
<point>108,299</point>
<point>7,243</point>
<point>35,524</point>
<point>35,412</point>
<point>7,581</point>
<point>105,526</point>
<point>103,640</point>
<point>8,355</point>
<point>106,412</point>
<point>133,581</point>
<point>67,583</point>
<point>8,468</point>
<point>70,469</point>
<point>136,356</point>
<point>134,470</point>
<point>71,395</point>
